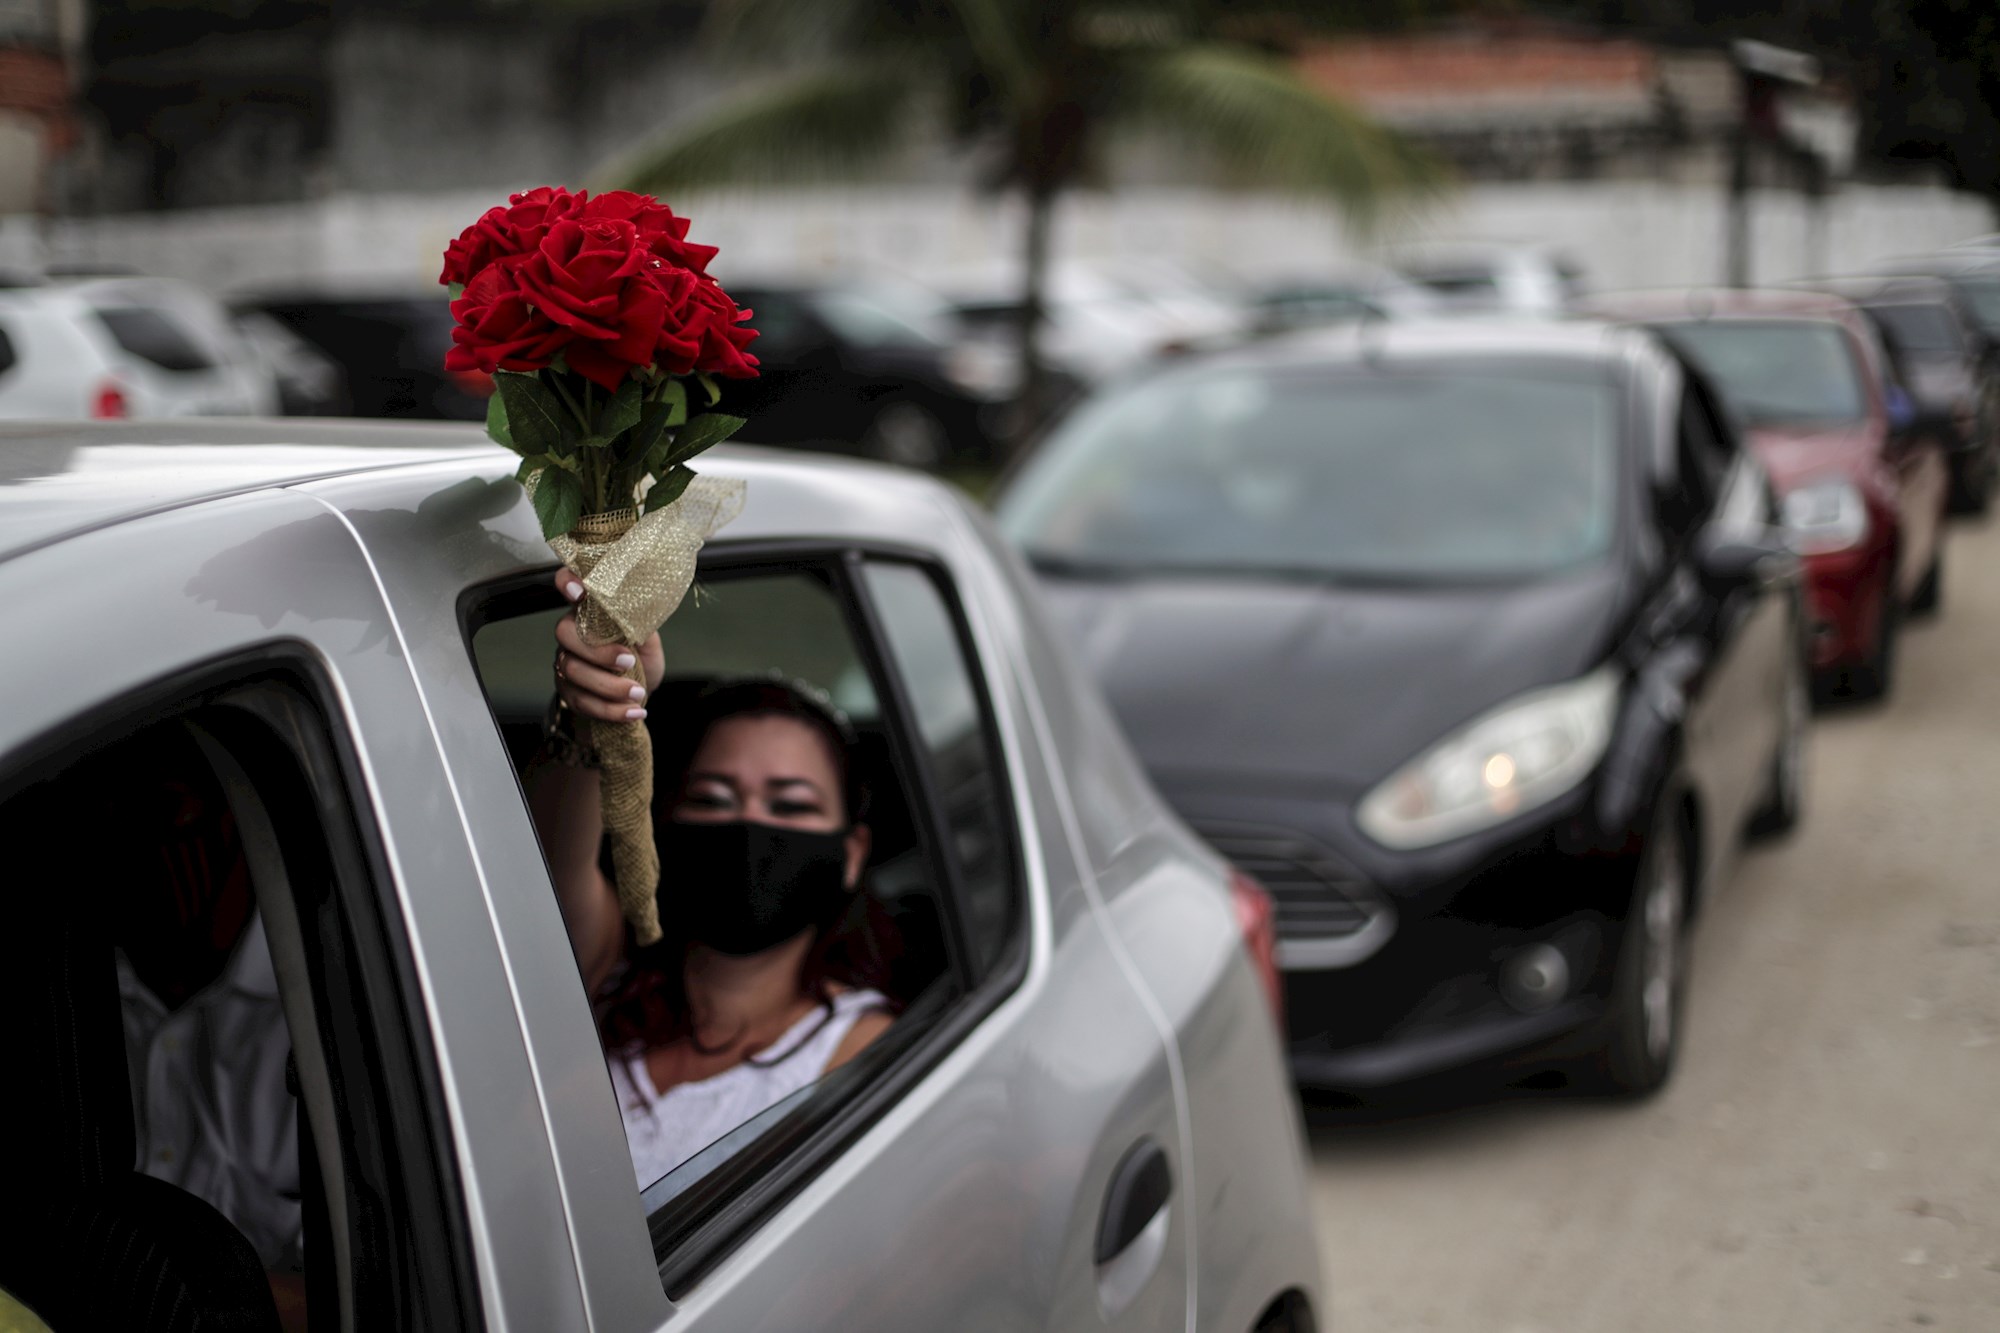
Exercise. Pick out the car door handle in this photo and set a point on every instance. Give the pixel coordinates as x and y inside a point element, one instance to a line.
<point>1132,1232</point>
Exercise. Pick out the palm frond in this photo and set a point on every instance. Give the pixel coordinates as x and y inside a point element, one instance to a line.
<point>823,124</point>
<point>1268,126</point>
<point>998,36</point>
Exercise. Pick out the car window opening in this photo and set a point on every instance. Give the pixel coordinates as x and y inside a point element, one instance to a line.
<point>752,654</point>
<point>151,994</point>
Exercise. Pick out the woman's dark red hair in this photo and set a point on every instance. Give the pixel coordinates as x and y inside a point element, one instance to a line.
<point>646,1005</point>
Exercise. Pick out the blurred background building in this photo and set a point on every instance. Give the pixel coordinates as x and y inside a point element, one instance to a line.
<point>236,142</point>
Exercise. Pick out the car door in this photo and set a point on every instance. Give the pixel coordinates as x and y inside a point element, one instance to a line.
<point>264,606</point>
<point>966,1184</point>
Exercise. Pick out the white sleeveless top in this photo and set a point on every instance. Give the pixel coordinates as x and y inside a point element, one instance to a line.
<point>665,1129</point>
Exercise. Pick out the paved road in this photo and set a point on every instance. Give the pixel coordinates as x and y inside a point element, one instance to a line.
<point>1828,1155</point>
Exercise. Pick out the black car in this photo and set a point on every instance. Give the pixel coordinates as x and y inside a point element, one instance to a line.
<point>1950,367</point>
<point>1474,643</point>
<point>390,347</point>
<point>869,370</point>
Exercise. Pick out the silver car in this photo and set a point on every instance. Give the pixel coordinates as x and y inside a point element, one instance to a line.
<point>1080,1120</point>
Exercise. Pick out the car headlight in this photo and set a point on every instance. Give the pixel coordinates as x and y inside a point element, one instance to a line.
<point>1824,516</point>
<point>1522,754</point>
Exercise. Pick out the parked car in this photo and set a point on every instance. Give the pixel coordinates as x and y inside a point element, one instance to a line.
<point>310,383</point>
<point>1863,493</point>
<point>1951,371</point>
<point>873,369</point>
<point>1974,276</point>
<point>1476,643</point>
<point>1078,1120</point>
<point>1100,321</point>
<point>390,345</point>
<point>1520,279</point>
<point>124,346</point>
<point>1340,298</point>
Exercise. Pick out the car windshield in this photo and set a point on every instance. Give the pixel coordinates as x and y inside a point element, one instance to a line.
<point>1364,477</point>
<point>1922,329</point>
<point>1779,371</point>
<point>888,317</point>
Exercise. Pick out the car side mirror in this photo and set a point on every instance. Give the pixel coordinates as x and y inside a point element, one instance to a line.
<point>1734,563</point>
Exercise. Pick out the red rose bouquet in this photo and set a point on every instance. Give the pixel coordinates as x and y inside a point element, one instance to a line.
<point>595,315</point>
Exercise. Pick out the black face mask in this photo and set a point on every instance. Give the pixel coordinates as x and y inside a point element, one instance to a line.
<point>742,888</point>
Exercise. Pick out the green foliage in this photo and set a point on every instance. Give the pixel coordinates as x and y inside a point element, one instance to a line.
<point>585,453</point>
<point>1039,90</point>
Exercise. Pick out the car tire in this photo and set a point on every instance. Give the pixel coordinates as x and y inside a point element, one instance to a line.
<point>1784,790</point>
<point>907,434</point>
<point>1874,677</point>
<point>1929,596</point>
<point>1650,981</point>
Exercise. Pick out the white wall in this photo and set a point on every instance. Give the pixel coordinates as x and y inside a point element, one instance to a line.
<point>1624,234</point>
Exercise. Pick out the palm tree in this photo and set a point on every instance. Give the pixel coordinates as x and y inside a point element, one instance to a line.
<point>1044,86</point>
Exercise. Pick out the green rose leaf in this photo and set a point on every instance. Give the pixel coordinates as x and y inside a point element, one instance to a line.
<point>496,422</point>
<point>622,413</point>
<point>702,432</point>
<point>534,415</point>
<point>528,468</point>
<point>675,397</point>
<point>558,501</point>
<point>669,488</point>
<point>709,386</point>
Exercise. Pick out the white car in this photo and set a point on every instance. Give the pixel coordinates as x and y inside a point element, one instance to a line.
<point>111,347</point>
<point>1495,277</point>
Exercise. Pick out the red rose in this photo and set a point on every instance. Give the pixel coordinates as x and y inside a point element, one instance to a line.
<point>724,335</point>
<point>516,229</point>
<point>665,234</point>
<point>497,326</point>
<point>595,279</point>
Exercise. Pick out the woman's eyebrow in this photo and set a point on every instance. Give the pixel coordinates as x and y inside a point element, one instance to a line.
<point>709,776</point>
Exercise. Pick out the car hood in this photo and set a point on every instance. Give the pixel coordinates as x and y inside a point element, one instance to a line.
<point>1794,455</point>
<point>1234,683</point>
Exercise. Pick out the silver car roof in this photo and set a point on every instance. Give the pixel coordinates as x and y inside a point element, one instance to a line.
<point>60,479</point>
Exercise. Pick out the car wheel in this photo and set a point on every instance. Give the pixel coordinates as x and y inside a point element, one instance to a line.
<point>907,434</point>
<point>1929,595</point>
<point>1650,982</point>
<point>1785,790</point>
<point>1873,678</point>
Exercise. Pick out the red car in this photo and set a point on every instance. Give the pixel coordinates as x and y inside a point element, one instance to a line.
<point>1862,493</point>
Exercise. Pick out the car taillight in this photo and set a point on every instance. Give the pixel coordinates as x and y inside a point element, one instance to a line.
<point>110,403</point>
<point>1258,920</point>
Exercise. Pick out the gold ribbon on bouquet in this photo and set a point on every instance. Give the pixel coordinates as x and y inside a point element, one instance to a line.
<point>635,572</point>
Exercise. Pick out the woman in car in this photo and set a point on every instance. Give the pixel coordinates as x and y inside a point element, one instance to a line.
<point>771,970</point>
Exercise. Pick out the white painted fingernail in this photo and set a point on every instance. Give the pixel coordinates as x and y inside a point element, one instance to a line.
<point>625,661</point>
<point>634,714</point>
<point>637,693</point>
<point>572,590</point>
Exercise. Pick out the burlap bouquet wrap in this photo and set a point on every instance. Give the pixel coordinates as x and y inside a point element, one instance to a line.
<point>635,572</point>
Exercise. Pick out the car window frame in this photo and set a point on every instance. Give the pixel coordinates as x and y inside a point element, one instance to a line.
<point>283,701</point>
<point>701,1225</point>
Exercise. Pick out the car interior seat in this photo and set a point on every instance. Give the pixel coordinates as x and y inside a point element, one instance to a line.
<point>86,1240</point>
